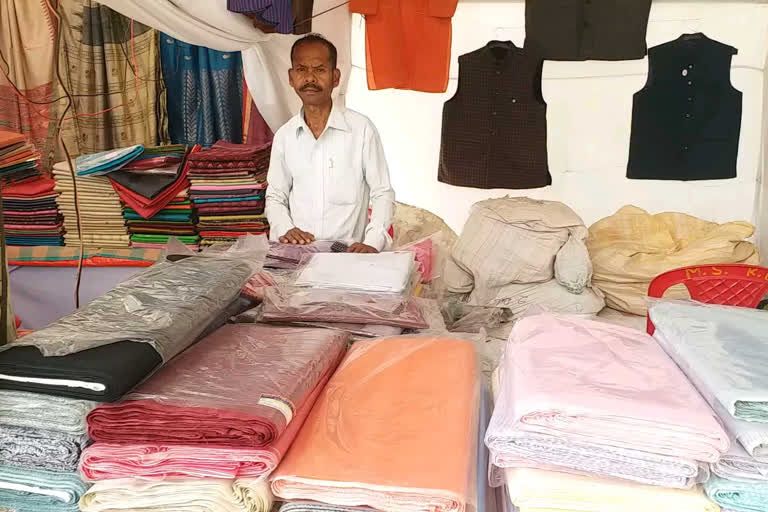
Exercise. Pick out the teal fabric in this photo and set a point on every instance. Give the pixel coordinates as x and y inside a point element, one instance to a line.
<point>738,495</point>
<point>69,483</point>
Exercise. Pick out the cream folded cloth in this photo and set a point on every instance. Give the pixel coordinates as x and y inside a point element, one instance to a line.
<point>534,490</point>
<point>178,495</point>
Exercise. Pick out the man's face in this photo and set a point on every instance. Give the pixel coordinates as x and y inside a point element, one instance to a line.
<point>312,76</point>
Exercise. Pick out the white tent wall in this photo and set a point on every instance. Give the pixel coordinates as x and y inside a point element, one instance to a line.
<point>589,118</point>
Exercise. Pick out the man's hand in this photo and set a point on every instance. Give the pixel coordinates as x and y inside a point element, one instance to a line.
<point>362,249</point>
<point>297,237</point>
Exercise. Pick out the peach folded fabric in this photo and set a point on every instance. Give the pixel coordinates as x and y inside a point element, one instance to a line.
<point>393,430</point>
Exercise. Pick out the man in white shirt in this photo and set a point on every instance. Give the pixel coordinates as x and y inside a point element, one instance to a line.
<point>327,163</point>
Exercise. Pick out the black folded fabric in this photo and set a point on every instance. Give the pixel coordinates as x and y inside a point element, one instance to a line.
<point>146,185</point>
<point>118,367</point>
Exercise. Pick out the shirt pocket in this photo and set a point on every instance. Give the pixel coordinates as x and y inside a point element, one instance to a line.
<point>345,179</point>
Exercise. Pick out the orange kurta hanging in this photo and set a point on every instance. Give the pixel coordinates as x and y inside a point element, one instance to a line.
<point>407,43</point>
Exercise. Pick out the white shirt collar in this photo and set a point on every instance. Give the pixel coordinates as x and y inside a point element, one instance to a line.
<point>336,120</point>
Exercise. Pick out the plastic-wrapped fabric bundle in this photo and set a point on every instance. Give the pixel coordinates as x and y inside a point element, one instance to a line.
<point>724,352</point>
<point>26,447</point>
<point>738,495</point>
<point>289,304</point>
<point>535,490</point>
<point>418,395</point>
<point>178,495</point>
<point>289,256</point>
<point>592,397</point>
<point>35,490</point>
<point>106,348</point>
<point>36,411</point>
<point>387,272</point>
<point>737,464</point>
<point>255,378</point>
<point>103,461</point>
<point>168,306</point>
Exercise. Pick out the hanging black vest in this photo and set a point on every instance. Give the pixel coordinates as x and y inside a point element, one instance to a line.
<point>494,131</point>
<point>587,29</point>
<point>686,120</point>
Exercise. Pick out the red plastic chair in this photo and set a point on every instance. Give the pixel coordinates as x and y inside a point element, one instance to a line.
<point>728,285</point>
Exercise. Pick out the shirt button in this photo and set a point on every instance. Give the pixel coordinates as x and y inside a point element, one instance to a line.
<point>690,83</point>
<point>688,116</point>
<point>690,99</point>
<point>690,66</point>
<point>685,148</point>
<point>514,100</point>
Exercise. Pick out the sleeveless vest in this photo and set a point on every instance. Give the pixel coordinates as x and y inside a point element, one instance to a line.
<point>686,120</point>
<point>494,132</point>
<point>587,29</point>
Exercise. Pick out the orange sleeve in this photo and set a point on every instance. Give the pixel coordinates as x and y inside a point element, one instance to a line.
<point>441,8</point>
<point>364,6</point>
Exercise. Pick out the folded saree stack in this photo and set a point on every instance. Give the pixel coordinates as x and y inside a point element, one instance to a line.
<point>110,345</point>
<point>30,213</point>
<point>724,352</point>
<point>582,396</point>
<point>101,213</point>
<point>228,187</point>
<point>154,190</point>
<point>19,159</point>
<point>395,429</point>
<point>41,440</point>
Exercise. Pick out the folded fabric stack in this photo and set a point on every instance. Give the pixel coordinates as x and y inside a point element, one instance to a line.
<point>154,190</point>
<point>395,429</point>
<point>30,212</point>
<point>372,289</point>
<point>228,187</point>
<point>99,164</point>
<point>724,352</point>
<point>101,213</point>
<point>19,159</point>
<point>41,439</point>
<point>604,401</point>
<point>261,383</point>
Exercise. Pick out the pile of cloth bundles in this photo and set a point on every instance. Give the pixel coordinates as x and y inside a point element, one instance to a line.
<point>106,348</point>
<point>41,440</point>
<point>395,429</point>
<point>19,159</point>
<point>260,385</point>
<point>349,288</point>
<point>101,213</point>
<point>228,187</point>
<point>586,396</point>
<point>31,216</point>
<point>631,247</point>
<point>724,352</point>
<point>154,190</point>
<point>259,381</point>
<point>42,431</point>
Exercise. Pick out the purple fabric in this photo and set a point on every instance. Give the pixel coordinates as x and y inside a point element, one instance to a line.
<point>273,12</point>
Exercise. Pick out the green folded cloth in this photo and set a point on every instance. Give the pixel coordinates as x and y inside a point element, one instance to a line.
<point>39,490</point>
<point>162,239</point>
<point>752,411</point>
<point>738,495</point>
<point>177,217</point>
<point>164,150</point>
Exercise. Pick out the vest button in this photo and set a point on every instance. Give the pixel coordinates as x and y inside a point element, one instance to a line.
<point>514,100</point>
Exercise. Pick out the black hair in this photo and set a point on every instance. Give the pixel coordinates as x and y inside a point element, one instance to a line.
<point>316,38</point>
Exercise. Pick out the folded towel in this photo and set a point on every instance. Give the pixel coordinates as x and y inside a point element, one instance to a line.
<point>741,496</point>
<point>39,411</point>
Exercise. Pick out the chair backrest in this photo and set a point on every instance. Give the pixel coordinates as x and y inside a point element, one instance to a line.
<point>728,285</point>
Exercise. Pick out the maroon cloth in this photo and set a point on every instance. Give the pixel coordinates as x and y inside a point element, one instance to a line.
<point>240,386</point>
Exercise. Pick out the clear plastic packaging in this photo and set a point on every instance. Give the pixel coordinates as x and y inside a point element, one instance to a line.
<point>586,396</point>
<point>430,254</point>
<point>250,249</point>
<point>254,288</point>
<point>289,256</point>
<point>460,317</point>
<point>395,410</point>
<point>724,352</point>
<point>240,386</point>
<point>168,305</point>
<point>290,304</point>
<point>387,272</point>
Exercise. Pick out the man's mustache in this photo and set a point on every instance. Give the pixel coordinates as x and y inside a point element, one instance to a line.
<point>311,87</point>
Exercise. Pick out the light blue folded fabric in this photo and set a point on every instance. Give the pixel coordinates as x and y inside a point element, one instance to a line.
<point>40,491</point>
<point>107,161</point>
<point>741,496</point>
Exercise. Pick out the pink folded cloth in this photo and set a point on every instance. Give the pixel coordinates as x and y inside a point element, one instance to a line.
<point>104,461</point>
<point>256,186</point>
<point>599,398</point>
<point>144,245</point>
<point>36,212</point>
<point>32,227</point>
<point>239,387</point>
